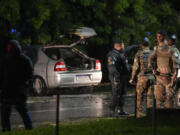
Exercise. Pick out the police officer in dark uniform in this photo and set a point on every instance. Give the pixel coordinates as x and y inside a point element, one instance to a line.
<point>118,70</point>
<point>15,75</point>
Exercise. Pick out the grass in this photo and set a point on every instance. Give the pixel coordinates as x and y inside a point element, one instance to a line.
<point>108,126</point>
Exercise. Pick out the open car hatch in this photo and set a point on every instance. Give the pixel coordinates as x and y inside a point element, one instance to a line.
<point>83,33</point>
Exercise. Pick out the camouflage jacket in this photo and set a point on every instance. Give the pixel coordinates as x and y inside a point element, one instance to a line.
<point>140,65</point>
<point>164,59</point>
<point>176,55</point>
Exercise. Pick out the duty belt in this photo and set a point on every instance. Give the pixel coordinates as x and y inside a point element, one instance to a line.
<point>148,72</point>
<point>167,75</point>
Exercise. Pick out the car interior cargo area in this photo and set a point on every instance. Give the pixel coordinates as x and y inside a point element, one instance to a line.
<point>72,59</point>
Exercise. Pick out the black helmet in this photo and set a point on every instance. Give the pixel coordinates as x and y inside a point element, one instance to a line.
<point>173,37</point>
<point>145,41</point>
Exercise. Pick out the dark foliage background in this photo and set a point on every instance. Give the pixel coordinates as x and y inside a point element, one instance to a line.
<point>35,22</point>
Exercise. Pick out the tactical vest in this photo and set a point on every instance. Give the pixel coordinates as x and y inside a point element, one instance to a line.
<point>144,55</point>
<point>176,55</point>
<point>164,63</point>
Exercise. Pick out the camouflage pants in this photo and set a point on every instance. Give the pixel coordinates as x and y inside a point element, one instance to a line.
<point>142,87</point>
<point>163,92</point>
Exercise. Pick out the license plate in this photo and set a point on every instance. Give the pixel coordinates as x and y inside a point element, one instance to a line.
<point>82,77</point>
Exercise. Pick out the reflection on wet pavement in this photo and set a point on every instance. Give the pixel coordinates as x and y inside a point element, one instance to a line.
<point>71,107</point>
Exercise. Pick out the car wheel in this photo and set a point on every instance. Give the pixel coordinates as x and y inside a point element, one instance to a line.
<point>178,98</point>
<point>39,86</point>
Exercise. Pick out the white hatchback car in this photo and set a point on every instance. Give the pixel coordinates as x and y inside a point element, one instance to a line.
<point>63,66</point>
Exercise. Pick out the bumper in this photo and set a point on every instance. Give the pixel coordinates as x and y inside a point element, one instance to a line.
<point>75,79</point>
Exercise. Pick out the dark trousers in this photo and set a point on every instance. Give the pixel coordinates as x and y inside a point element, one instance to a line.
<point>21,107</point>
<point>118,92</point>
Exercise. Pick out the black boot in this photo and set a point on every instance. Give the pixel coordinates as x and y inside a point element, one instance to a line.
<point>121,112</point>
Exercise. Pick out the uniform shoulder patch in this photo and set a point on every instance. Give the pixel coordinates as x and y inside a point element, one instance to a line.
<point>109,60</point>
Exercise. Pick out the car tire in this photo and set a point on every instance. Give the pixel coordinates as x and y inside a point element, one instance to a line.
<point>39,86</point>
<point>177,98</point>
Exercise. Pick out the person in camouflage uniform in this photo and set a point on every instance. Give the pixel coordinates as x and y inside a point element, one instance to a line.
<point>165,71</point>
<point>172,44</point>
<point>140,67</point>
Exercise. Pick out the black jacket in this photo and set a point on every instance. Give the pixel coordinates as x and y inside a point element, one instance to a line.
<point>16,71</point>
<point>118,63</point>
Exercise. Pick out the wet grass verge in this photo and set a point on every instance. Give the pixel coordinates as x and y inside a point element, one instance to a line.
<point>109,126</point>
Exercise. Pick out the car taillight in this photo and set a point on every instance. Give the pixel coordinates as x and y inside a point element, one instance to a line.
<point>98,65</point>
<point>60,66</point>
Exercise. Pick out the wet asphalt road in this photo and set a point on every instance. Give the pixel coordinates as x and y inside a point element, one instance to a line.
<point>43,109</point>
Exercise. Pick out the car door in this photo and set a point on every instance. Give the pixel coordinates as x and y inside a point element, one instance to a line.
<point>53,58</point>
